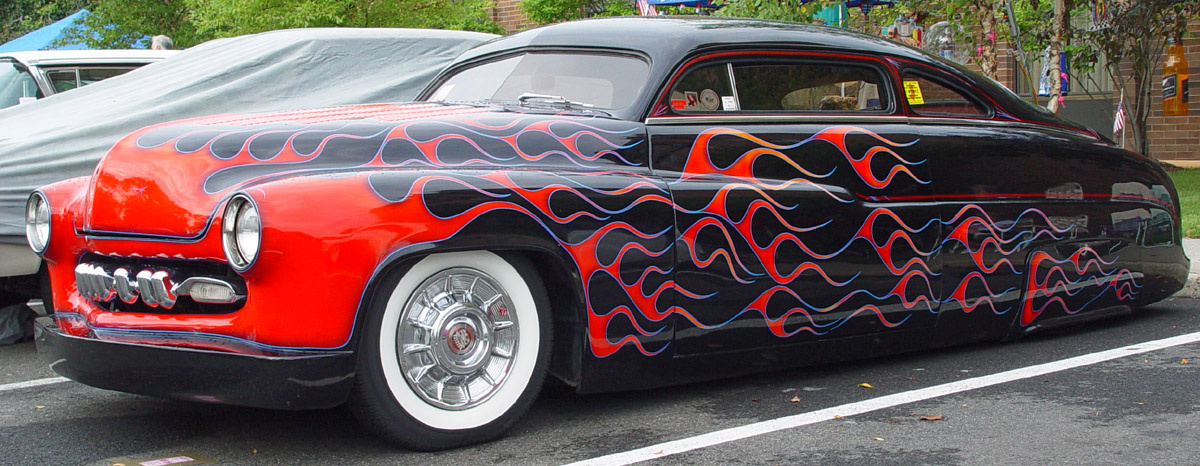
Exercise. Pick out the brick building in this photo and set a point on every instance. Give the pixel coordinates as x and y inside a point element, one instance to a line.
<point>1171,138</point>
<point>509,16</point>
<point>1178,137</point>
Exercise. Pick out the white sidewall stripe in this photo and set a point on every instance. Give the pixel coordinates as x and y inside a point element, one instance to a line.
<point>874,404</point>
<point>32,383</point>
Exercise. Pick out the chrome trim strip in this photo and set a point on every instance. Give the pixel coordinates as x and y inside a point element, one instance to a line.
<point>1000,124</point>
<point>838,119</point>
<point>732,88</point>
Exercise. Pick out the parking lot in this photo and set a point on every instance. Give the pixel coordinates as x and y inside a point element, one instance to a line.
<point>1061,397</point>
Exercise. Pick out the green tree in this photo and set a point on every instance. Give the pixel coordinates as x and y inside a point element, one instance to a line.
<point>784,10</point>
<point>115,24</point>
<point>224,18</point>
<point>18,17</point>
<point>556,11</point>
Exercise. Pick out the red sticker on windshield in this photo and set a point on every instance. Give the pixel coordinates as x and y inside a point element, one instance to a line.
<point>678,104</point>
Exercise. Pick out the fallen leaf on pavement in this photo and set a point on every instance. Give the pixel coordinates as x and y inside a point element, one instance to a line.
<point>931,418</point>
<point>1185,361</point>
<point>865,385</point>
<point>879,439</point>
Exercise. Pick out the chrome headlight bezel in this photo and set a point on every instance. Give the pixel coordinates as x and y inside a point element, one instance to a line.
<point>37,222</point>
<point>241,232</point>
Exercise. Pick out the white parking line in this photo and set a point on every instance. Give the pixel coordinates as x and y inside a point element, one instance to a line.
<point>759,428</point>
<point>32,383</point>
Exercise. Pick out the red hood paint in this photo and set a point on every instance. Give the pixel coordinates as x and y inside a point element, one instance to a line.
<point>157,180</point>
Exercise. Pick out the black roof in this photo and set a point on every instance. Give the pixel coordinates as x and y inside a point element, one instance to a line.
<point>666,40</point>
<point>671,37</point>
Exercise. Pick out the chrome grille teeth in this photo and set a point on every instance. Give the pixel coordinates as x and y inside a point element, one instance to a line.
<point>154,287</point>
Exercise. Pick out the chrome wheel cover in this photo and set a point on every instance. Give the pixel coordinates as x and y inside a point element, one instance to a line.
<point>457,338</point>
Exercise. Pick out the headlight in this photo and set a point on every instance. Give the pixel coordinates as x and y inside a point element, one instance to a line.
<point>241,232</point>
<point>37,222</point>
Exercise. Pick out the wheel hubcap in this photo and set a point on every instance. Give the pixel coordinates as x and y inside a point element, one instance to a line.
<point>457,338</point>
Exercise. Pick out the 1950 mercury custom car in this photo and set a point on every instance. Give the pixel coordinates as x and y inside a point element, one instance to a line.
<point>619,203</point>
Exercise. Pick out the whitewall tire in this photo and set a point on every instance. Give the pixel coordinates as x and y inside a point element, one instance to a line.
<point>454,350</point>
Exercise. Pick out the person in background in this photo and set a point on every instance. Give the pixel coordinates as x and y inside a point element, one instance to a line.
<point>161,42</point>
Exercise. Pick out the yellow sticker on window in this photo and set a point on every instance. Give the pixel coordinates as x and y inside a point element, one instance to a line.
<point>912,90</point>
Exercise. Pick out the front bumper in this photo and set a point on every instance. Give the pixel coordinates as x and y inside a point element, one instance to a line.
<point>309,381</point>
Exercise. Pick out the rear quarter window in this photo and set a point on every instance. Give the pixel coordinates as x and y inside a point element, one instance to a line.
<point>927,96</point>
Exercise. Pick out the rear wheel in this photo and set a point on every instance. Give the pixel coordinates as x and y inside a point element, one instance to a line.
<point>454,350</point>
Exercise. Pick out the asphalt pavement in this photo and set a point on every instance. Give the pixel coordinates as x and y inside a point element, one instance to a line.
<point>1141,408</point>
<point>1191,247</point>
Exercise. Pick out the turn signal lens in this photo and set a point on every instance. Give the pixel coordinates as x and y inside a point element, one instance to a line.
<point>203,292</point>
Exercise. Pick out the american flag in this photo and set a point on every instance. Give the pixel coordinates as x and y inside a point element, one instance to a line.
<point>645,8</point>
<point>1119,119</point>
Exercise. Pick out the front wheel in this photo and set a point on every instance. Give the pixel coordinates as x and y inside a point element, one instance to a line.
<point>454,350</point>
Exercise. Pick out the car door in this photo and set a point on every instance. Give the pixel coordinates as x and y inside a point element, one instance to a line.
<point>1038,227</point>
<point>801,201</point>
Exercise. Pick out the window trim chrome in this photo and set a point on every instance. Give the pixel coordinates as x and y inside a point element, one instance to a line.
<point>734,119</point>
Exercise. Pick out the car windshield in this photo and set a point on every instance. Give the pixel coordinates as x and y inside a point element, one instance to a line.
<point>16,84</point>
<point>601,81</point>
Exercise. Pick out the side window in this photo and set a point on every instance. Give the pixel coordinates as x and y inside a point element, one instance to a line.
<point>704,89</point>
<point>91,75</point>
<point>63,79</point>
<point>929,97</point>
<point>809,87</point>
<point>790,87</point>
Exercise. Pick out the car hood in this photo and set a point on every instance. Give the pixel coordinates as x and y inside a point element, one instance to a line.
<point>169,180</point>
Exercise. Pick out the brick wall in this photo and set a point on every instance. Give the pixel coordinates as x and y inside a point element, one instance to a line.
<point>509,16</point>
<point>1177,137</point>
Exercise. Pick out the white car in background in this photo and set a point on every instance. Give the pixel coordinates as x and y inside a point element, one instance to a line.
<point>55,139</point>
<point>28,76</point>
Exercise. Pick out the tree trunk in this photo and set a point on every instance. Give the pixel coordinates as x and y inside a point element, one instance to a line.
<point>1056,49</point>
<point>1141,82</point>
<point>986,10</point>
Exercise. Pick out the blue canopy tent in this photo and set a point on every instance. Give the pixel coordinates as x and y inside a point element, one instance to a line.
<point>41,39</point>
<point>704,6</point>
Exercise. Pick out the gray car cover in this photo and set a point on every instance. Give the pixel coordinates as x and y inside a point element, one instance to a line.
<point>65,135</point>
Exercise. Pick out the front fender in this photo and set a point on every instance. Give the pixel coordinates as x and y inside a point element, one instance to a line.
<point>328,240</point>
